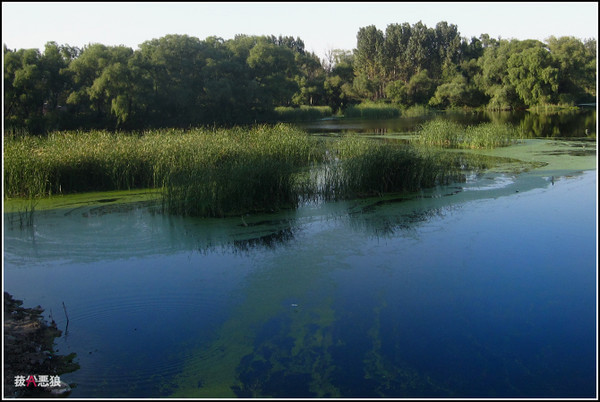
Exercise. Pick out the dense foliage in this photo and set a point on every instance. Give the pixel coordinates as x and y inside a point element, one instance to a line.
<point>182,81</point>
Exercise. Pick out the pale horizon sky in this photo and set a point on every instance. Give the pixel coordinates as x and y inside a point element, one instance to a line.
<point>321,25</point>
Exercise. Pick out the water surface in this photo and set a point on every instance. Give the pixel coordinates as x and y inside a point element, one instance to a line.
<point>559,124</point>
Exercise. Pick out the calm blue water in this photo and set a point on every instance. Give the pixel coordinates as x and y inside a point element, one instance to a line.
<point>488,292</point>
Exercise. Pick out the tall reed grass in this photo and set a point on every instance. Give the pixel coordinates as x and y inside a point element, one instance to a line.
<point>372,110</point>
<point>449,134</point>
<point>200,172</point>
<point>365,167</point>
<point>67,162</point>
<point>302,113</point>
<point>218,172</point>
<point>417,110</point>
<point>235,171</point>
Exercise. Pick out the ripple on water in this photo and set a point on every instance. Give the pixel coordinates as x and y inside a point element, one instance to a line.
<point>126,343</point>
<point>490,183</point>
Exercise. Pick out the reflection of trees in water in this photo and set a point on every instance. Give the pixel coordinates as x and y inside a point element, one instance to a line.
<point>537,124</point>
<point>555,124</point>
<point>558,123</point>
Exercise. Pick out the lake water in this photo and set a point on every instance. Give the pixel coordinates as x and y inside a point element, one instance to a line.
<point>537,125</point>
<point>486,288</point>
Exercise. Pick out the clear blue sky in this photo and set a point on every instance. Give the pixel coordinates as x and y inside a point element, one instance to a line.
<point>321,25</point>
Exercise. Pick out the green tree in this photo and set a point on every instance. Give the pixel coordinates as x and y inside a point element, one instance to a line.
<point>174,64</point>
<point>420,88</point>
<point>420,53</point>
<point>447,45</point>
<point>273,68</point>
<point>245,89</point>
<point>577,69</point>
<point>494,80</point>
<point>397,92</point>
<point>310,78</point>
<point>92,94</point>
<point>532,74</point>
<point>456,93</point>
<point>57,84</point>
<point>54,61</point>
<point>114,88</point>
<point>369,62</point>
<point>295,45</point>
<point>338,83</point>
<point>471,50</point>
<point>396,42</point>
<point>24,89</point>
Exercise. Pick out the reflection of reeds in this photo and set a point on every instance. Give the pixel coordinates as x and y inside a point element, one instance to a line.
<point>23,213</point>
<point>26,214</point>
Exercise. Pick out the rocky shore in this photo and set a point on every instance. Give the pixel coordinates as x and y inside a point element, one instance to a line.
<point>29,356</point>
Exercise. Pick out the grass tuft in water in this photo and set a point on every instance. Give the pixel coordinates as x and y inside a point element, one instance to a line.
<point>363,167</point>
<point>449,134</point>
<point>235,171</point>
<point>302,113</point>
<point>372,110</point>
<point>219,172</point>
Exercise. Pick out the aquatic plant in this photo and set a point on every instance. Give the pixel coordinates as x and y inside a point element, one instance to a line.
<point>219,172</point>
<point>302,113</point>
<point>449,134</point>
<point>416,110</point>
<point>372,110</point>
<point>236,171</point>
<point>67,162</point>
<point>361,167</point>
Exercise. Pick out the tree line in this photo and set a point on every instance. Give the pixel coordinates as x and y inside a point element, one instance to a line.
<point>182,81</point>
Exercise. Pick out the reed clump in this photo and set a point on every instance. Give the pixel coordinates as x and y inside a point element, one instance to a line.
<point>372,110</point>
<point>67,162</point>
<point>416,110</point>
<point>363,167</point>
<point>302,113</point>
<point>220,172</point>
<point>235,171</point>
<point>449,134</point>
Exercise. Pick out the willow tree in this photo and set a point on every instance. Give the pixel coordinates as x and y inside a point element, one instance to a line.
<point>494,79</point>
<point>533,75</point>
<point>23,89</point>
<point>576,63</point>
<point>273,68</point>
<point>173,64</point>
